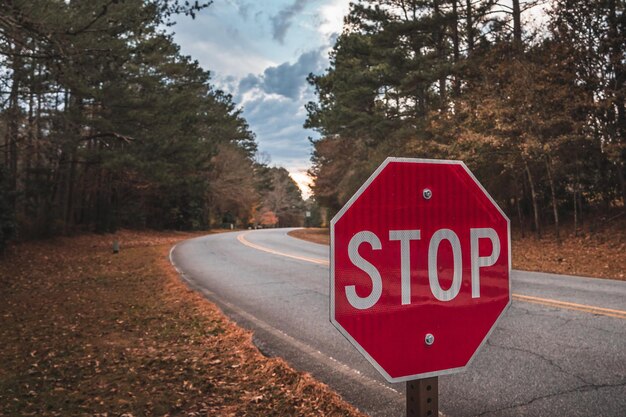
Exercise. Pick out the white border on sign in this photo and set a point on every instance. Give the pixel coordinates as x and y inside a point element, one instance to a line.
<point>347,206</point>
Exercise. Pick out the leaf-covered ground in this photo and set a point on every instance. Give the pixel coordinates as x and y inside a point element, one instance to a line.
<point>600,252</point>
<point>86,332</point>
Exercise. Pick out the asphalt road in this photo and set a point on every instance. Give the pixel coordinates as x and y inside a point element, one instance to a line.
<point>560,349</point>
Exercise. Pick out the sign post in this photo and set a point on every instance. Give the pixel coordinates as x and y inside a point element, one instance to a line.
<point>422,397</point>
<point>420,263</point>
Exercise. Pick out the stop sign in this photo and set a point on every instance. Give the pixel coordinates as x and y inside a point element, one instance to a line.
<point>420,262</point>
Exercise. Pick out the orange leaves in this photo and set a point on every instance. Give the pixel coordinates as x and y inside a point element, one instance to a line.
<point>268,219</point>
<point>87,332</point>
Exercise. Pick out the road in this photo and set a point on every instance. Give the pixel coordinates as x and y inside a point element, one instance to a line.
<point>560,350</point>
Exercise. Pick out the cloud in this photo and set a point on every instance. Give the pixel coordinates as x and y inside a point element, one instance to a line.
<point>248,83</point>
<point>277,121</point>
<point>273,104</point>
<point>261,53</point>
<point>243,8</point>
<point>282,21</point>
<point>229,49</point>
<point>287,80</point>
<point>330,18</point>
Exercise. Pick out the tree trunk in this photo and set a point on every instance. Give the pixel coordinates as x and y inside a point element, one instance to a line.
<point>555,208</point>
<point>456,86</point>
<point>581,213</point>
<point>616,42</point>
<point>66,158</point>
<point>30,147</point>
<point>622,181</point>
<point>13,123</point>
<point>71,186</point>
<point>517,25</point>
<point>575,210</point>
<point>439,34</point>
<point>520,217</point>
<point>533,195</point>
<point>470,27</point>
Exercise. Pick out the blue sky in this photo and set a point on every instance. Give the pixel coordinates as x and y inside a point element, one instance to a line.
<point>261,52</point>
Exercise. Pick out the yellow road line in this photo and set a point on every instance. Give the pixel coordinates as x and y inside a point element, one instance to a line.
<point>246,242</point>
<point>620,314</point>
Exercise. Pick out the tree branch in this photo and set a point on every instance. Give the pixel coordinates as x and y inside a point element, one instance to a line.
<point>122,138</point>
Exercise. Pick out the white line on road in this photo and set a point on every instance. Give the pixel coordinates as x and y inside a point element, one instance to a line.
<point>299,345</point>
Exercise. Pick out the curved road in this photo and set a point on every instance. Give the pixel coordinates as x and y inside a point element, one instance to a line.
<point>560,350</point>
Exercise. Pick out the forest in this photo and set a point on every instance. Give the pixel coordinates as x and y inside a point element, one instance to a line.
<point>530,94</point>
<point>105,124</point>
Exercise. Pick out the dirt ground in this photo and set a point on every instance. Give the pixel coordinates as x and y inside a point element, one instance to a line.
<point>87,332</point>
<point>599,253</point>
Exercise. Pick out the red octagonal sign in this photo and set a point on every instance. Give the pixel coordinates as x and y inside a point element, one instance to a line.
<point>420,262</point>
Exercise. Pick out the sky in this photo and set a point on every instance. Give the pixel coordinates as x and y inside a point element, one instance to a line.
<point>261,53</point>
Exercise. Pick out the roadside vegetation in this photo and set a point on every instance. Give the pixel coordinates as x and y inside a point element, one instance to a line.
<point>87,332</point>
<point>104,123</point>
<point>530,94</point>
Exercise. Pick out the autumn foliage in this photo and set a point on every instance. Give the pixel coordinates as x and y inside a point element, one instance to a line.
<point>87,332</point>
<point>530,94</point>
